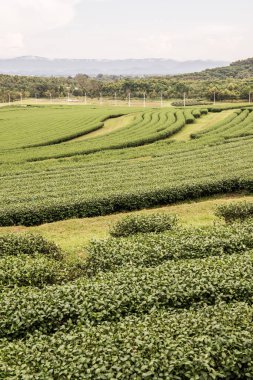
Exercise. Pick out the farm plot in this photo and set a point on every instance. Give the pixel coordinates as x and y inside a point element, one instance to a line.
<point>114,180</point>
<point>51,191</point>
<point>133,320</point>
<point>29,126</point>
<point>147,127</point>
<point>162,302</point>
<point>238,124</point>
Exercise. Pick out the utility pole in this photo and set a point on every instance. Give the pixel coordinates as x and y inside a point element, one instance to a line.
<point>144,100</point>
<point>184,99</point>
<point>129,99</point>
<point>68,99</point>
<point>9,99</point>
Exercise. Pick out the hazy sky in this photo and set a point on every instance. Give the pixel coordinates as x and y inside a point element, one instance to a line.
<point>180,29</point>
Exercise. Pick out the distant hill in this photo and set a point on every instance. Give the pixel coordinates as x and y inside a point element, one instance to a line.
<point>239,70</point>
<point>39,66</point>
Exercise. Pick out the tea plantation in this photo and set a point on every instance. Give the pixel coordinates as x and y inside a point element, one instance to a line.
<point>154,299</point>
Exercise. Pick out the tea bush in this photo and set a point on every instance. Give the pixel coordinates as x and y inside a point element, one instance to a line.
<point>28,244</point>
<point>191,103</point>
<point>207,343</point>
<point>189,117</point>
<point>171,305</point>
<point>174,285</point>
<point>158,172</point>
<point>134,224</point>
<point>235,211</point>
<point>152,250</point>
<point>25,270</point>
<point>79,206</point>
<point>197,113</point>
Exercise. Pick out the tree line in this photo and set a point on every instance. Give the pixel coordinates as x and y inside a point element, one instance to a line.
<point>194,86</point>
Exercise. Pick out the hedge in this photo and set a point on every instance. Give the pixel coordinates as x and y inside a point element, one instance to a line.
<point>151,250</point>
<point>42,212</point>
<point>174,285</point>
<point>235,211</point>
<point>189,117</point>
<point>24,270</point>
<point>73,136</point>
<point>134,224</point>
<point>208,343</point>
<point>29,244</point>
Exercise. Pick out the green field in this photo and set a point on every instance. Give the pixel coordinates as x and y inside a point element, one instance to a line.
<point>175,304</point>
<point>133,167</point>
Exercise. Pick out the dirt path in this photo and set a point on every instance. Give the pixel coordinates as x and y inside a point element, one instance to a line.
<point>201,124</point>
<point>73,234</point>
<point>110,125</point>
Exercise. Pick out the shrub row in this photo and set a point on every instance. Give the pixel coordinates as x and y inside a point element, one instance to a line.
<point>134,224</point>
<point>235,211</point>
<point>191,103</point>
<point>24,270</point>
<point>220,124</point>
<point>112,296</point>
<point>73,136</point>
<point>189,118</point>
<point>196,113</point>
<point>209,343</point>
<point>28,244</point>
<point>43,212</point>
<point>152,250</point>
<point>117,140</point>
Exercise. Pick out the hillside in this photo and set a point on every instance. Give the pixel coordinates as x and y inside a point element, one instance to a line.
<point>239,69</point>
<point>230,82</point>
<point>40,66</point>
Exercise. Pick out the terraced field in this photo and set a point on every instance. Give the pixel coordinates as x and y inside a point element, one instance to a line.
<point>159,299</point>
<point>146,127</point>
<point>114,179</point>
<point>37,126</point>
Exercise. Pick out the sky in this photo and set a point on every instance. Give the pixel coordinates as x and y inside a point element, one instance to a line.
<point>119,29</point>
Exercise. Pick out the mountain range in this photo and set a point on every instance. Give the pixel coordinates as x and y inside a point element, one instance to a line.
<point>39,66</point>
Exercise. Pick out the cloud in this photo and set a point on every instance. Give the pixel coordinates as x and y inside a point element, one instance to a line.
<point>195,41</point>
<point>12,41</point>
<point>156,45</point>
<point>30,17</point>
<point>121,29</point>
<point>48,14</point>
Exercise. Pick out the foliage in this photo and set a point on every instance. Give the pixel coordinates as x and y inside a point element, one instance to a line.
<point>231,82</point>
<point>54,124</point>
<point>208,343</point>
<point>24,270</point>
<point>189,116</point>
<point>151,250</point>
<point>190,103</point>
<point>147,127</point>
<point>131,291</point>
<point>27,244</point>
<point>171,305</point>
<point>235,211</point>
<point>135,224</point>
<point>160,172</point>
